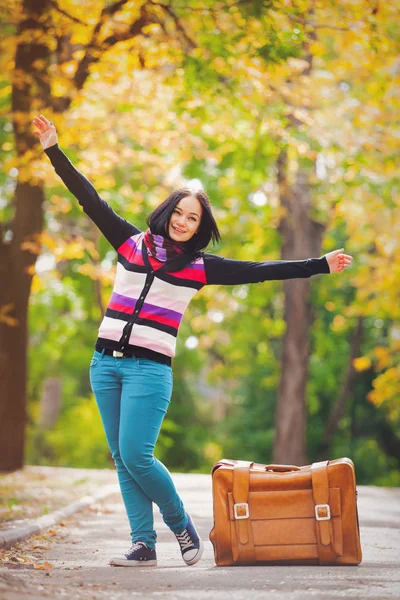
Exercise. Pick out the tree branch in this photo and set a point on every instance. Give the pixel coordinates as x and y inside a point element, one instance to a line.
<point>206,9</point>
<point>107,12</point>
<point>177,22</point>
<point>95,49</point>
<point>63,12</point>
<point>317,25</point>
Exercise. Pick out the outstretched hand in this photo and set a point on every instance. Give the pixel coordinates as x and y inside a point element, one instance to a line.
<point>338,261</point>
<point>47,132</point>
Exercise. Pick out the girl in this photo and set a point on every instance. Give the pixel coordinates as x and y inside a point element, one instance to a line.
<point>158,273</point>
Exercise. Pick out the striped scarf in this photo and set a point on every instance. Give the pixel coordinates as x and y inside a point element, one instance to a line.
<point>162,248</point>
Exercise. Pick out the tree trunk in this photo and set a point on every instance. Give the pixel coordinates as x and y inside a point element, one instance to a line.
<point>50,403</point>
<point>16,266</point>
<point>339,408</point>
<point>16,260</point>
<point>20,242</point>
<point>302,239</point>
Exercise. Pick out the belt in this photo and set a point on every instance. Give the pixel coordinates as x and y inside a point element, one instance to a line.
<point>138,352</point>
<point>119,354</point>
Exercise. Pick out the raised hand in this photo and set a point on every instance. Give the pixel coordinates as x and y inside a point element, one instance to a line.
<point>338,261</point>
<point>47,132</point>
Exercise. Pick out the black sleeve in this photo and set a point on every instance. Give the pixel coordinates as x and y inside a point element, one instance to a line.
<point>226,271</point>
<point>115,228</point>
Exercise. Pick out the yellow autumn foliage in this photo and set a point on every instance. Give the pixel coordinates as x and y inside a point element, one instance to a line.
<point>124,122</point>
<point>362,363</point>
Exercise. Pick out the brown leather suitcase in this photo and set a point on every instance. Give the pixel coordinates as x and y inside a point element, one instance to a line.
<point>284,514</point>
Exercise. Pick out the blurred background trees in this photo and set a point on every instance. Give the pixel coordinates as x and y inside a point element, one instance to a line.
<point>287,114</point>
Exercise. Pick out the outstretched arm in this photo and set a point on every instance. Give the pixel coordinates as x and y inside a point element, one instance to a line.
<point>226,271</point>
<point>115,228</point>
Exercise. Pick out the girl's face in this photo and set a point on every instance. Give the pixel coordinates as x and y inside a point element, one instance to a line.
<point>185,219</point>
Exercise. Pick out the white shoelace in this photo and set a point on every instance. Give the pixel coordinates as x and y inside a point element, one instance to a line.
<point>184,539</point>
<point>136,546</point>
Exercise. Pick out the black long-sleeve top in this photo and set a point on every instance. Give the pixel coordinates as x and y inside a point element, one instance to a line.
<point>149,298</point>
<point>219,270</point>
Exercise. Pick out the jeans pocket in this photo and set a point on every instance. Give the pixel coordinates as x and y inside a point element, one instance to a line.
<point>95,359</point>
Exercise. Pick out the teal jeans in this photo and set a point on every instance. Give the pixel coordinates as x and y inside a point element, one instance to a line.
<point>133,395</point>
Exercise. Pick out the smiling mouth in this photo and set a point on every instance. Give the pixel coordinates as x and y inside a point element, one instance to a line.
<point>177,230</point>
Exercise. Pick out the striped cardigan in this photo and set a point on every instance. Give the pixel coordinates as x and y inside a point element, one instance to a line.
<point>160,306</point>
<point>148,301</point>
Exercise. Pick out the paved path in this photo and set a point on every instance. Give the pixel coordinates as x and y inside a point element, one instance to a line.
<point>80,567</point>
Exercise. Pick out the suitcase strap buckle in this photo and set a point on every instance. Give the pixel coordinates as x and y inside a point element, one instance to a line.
<point>325,513</point>
<point>241,506</point>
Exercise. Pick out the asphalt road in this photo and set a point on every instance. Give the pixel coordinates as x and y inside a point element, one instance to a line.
<point>82,545</point>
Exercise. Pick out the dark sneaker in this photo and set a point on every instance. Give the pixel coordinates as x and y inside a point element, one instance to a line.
<point>190,543</point>
<point>139,555</point>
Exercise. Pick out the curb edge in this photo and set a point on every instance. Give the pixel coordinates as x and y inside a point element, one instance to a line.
<point>11,536</point>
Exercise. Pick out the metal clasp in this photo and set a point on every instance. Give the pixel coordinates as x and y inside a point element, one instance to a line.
<point>117,354</point>
<point>323,507</point>
<point>246,510</point>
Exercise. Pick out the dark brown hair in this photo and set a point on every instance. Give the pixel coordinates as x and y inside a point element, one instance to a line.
<point>158,220</point>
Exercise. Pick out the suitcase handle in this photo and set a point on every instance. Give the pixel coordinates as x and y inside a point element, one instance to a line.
<point>282,468</point>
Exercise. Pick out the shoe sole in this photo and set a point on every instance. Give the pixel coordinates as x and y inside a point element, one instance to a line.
<point>198,556</point>
<point>116,562</point>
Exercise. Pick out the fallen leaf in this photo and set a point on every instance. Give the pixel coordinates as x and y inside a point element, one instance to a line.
<point>43,566</point>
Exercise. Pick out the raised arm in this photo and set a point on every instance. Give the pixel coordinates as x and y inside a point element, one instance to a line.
<point>226,271</point>
<point>115,228</point>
